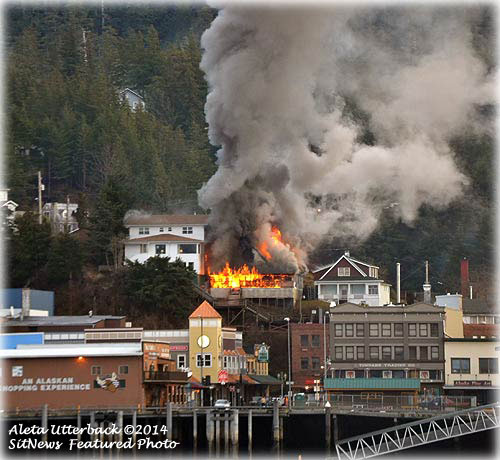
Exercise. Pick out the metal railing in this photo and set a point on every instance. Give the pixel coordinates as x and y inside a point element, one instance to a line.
<point>418,433</point>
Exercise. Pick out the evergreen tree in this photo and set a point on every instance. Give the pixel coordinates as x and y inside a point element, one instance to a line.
<point>64,261</point>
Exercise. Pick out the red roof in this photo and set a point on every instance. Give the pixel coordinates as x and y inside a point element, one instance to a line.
<point>481,330</point>
<point>162,237</point>
<point>205,310</point>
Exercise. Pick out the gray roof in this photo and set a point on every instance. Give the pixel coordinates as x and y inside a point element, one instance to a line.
<point>477,307</point>
<point>420,307</point>
<point>59,320</point>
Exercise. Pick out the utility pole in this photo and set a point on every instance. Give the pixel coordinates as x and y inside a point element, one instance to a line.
<point>40,188</point>
<point>67,213</point>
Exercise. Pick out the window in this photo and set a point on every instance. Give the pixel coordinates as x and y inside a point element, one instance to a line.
<point>399,353</point>
<point>488,365</point>
<point>169,229</point>
<point>144,248</point>
<point>398,329</point>
<point>340,374</point>
<point>349,330</point>
<point>358,290</point>
<point>208,360</point>
<point>413,352</point>
<point>187,230</point>
<point>423,353</point>
<point>434,330</point>
<point>412,330</point>
<point>373,330</point>
<point>304,340</point>
<point>349,353</point>
<point>338,330</point>
<point>143,230</point>
<point>460,365</point>
<point>304,363</point>
<point>338,353</point>
<point>344,271</point>
<point>386,330</point>
<point>315,342</point>
<point>376,374</point>
<point>123,370</point>
<point>360,352</point>
<point>398,374</point>
<point>161,229</point>
<point>17,371</point>
<point>373,352</point>
<point>373,289</point>
<point>422,328</point>
<point>434,375</point>
<point>187,248</point>
<point>386,353</point>
<point>96,370</point>
<point>360,330</point>
<point>181,361</point>
<point>360,374</point>
<point>315,362</point>
<point>160,249</point>
<point>434,352</point>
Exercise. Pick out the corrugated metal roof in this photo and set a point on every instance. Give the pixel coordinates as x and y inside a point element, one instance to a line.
<point>372,384</point>
<point>59,320</point>
<point>70,350</point>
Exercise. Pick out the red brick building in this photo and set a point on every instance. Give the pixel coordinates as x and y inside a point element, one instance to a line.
<point>308,352</point>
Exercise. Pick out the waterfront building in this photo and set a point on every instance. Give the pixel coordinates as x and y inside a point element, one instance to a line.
<point>392,349</point>
<point>350,280</point>
<point>472,368</point>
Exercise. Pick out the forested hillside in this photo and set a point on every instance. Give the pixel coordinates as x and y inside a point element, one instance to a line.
<point>66,66</point>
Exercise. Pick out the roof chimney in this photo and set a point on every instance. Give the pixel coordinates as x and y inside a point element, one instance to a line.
<point>347,254</point>
<point>464,277</point>
<point>398,284</point>
<point>427,286</point>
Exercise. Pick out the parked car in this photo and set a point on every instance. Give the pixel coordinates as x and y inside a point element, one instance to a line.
<point>222,404</point>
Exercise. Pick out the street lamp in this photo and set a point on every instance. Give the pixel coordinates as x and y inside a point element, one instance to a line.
<point>289,365</point>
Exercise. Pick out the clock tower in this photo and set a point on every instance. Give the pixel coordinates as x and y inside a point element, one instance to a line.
<point>205,342</point>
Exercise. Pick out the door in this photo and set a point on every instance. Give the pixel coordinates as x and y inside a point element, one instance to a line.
<point>344,290</point>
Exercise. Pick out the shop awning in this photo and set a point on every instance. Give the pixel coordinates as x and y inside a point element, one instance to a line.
<point>265,379</point>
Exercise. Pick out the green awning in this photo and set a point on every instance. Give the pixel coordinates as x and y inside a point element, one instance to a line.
<point>265,379</point>
<point>372,384</point>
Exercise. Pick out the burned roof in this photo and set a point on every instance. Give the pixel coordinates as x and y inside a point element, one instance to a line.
<point>167,219</point>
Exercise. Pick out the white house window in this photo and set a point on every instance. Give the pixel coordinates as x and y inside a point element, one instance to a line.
<point>144,248</point>
<point>187,248</point>
<point>187,230</point>
<point>160,249</point>
<point>344,271</point>
<point>143,230</point>
<point>169,229</point>
<point>181,361</point>
<point>373,289</point>
<point>208,360</point>
<point>17,371</point>
<point>161,229</point>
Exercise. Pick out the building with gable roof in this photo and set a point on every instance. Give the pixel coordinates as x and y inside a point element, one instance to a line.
<point>350,280</point>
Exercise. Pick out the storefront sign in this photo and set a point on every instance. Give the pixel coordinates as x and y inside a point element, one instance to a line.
<point>378,365</point>
<point>263,354</point>
<point>47,384</point>
<point>472,383</point>
<point>178,348</point>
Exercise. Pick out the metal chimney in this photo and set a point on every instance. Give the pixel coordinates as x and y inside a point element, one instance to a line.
<point>427,286</point>
<point>398,285</point>
<point>464,277</point>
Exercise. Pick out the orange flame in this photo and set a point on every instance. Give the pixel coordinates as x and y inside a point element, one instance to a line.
<point>244,278</point>
<point>277,239</point>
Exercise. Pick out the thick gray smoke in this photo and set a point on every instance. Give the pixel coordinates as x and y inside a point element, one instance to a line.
<point>282,86</point>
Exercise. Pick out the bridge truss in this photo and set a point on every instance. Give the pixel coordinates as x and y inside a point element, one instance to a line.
<point>420,432</point>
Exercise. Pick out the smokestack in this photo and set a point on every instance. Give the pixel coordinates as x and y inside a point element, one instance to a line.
<point>398,286</point>
<point>427,286</point>
<point>464,277</point>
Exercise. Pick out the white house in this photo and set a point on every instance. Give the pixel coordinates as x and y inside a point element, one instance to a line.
<point>134,100</point>
<point>350,280</point>
<point>61,216</point>
<point>6,205</point>
<point>175,236</point>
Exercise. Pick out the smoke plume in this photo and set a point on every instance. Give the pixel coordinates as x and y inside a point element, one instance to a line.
<point>284,88</point>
